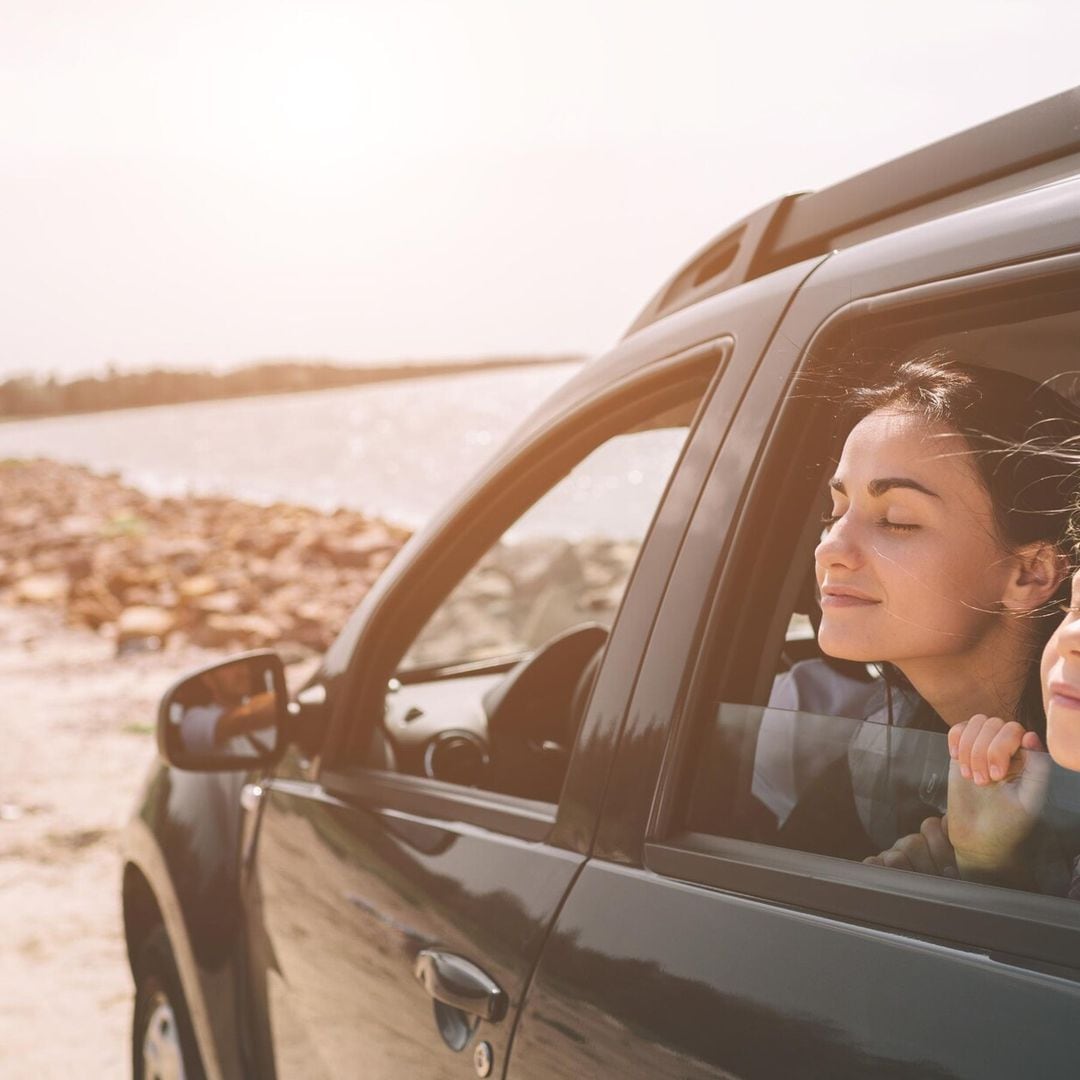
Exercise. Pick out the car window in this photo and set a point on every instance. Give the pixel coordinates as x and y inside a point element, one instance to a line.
<point>842,758</point>
<point>853,789</point>
<point>566,561</point>
<point>490,693</point>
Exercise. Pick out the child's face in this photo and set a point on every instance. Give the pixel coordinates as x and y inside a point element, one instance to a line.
<point>1061,686</point>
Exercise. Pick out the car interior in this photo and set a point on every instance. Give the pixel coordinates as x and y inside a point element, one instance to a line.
<point>730,791</point>
<point>504,719</point>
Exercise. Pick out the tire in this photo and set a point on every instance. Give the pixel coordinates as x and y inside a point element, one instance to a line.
<point>162,1039</point>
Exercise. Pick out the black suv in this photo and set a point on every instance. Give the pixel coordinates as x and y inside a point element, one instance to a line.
<point>503,829</point>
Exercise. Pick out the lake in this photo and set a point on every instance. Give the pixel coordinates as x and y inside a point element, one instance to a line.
<point>396,449</point>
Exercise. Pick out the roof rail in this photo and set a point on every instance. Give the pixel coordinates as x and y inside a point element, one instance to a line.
<point>728,260</point>
<point>800,226</point>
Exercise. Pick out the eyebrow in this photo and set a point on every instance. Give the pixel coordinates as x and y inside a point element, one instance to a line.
<point>877,488</point>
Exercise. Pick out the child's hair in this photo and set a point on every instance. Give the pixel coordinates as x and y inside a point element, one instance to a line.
<point>1020,434</point>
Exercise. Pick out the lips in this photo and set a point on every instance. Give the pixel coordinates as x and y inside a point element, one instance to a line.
<point>842,596</point>
<point>1065,695</point>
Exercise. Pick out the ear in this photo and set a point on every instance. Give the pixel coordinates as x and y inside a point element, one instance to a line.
<point>1037,571</point>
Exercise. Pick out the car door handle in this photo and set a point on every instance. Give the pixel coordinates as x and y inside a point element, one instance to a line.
<point>461,984</point>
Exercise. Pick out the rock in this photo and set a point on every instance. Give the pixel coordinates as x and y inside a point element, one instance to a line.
<point>41,588</point>
<point>373,546</point>
<point>21,517</point>
<point>220,603</point>
<point>78,565</point>
<point>200,585</point>
<point>243,630</point>
<point>80,526</point>
<point>139,596</point>
<point>91,611</point>
<point>144,621</point>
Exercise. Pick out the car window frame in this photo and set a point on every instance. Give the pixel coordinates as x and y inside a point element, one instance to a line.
<point>490,511</point>
<point>1021,928</point>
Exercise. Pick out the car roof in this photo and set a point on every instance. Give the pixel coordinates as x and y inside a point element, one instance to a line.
<point>1012,153</point>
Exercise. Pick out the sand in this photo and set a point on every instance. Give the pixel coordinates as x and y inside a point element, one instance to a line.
<point>76,742</point>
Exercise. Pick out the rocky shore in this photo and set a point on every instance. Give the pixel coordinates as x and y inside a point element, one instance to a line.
<point>210,571</point>
<point>222,573</point>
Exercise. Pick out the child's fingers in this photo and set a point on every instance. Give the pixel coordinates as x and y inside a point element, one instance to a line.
<point>978,761</point>
<point>968,741</point>
<point>1005,743</point>
<point>1031,741</point>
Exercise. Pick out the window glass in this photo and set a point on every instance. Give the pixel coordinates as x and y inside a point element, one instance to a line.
<point>855,789</point>
<point>529,623</point>
<point>564,562</point>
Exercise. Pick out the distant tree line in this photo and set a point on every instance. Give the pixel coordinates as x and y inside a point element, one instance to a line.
<point>28,395</point>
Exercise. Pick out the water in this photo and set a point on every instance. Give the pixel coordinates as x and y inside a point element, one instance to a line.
<point>398,450</point>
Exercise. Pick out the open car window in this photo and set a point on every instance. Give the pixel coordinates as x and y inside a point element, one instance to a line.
<point>565,561</point>
<point>794,765</point>
<point>490,693</point>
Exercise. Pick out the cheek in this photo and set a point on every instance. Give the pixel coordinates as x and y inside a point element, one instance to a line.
<point>1048,657</point>
<point>914,571</point>
<point>969,577</point>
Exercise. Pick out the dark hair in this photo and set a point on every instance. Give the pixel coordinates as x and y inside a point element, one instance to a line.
<point>1016,430</point>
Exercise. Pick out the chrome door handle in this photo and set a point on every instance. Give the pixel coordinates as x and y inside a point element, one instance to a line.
<point>460,984</point>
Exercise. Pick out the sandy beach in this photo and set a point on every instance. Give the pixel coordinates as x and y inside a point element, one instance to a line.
<point>107,596</point>
<point>77,726</point>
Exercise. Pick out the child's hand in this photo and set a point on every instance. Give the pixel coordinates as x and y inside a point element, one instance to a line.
<point>984,745</point>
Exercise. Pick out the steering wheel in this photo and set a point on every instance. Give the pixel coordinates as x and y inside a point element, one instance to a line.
<point>533,713</point>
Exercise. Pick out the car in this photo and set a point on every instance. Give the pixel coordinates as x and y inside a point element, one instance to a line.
<point>497,832</point>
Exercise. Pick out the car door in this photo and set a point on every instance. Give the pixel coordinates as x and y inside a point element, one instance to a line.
<point>688,946</point>
<point>402,884</point>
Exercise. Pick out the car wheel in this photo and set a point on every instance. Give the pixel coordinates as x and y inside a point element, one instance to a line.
<point>163,1042</point>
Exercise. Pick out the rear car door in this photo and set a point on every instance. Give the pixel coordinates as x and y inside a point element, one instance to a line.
<point>450,811</point>
<point>690,947</point>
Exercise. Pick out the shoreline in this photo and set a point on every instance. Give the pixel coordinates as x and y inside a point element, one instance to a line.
<point>348,378</point>
<point>214,571</point>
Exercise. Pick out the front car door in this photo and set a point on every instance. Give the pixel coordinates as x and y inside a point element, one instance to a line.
<point>737,957</point>
<point>442,830</point>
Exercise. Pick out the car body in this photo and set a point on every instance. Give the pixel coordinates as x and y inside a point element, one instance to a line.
<point>315,906</point>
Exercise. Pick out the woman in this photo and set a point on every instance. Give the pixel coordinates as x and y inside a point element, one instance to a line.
<point>942,555</point>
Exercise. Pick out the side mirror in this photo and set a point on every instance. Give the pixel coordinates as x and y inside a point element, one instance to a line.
<point>230,716</point>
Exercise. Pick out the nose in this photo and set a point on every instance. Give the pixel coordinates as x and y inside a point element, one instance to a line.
<point>839,547</point>
<point>1068,639</point>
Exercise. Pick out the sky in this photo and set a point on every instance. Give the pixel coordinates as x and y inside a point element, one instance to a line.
<point>211,184</point>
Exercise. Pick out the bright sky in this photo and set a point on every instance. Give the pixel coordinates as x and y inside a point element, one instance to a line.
<point>207,184</point>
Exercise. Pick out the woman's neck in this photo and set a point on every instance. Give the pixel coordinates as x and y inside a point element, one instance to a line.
<point>989,678</point>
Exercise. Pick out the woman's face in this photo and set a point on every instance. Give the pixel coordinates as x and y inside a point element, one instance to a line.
<point>1061,686</point>
<point>910,566</point>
